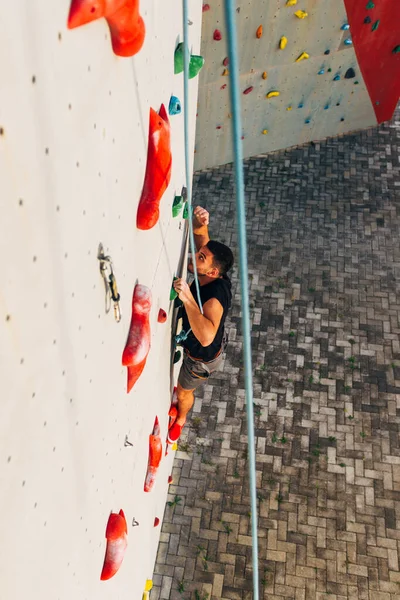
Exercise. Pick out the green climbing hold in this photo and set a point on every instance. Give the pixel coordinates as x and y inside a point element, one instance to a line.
<point>329,70</point>
<point>173,294</point>
<point>370,5</point>
<point>177,206</point>
<point>195,63</point>
<point>185,213</point>
<point>396,49</point>
<point>375,25</point>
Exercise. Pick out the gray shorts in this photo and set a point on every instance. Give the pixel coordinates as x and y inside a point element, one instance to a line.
<point>194,373</point>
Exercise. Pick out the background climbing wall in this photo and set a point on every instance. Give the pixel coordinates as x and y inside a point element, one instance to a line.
<point>73,142</point>
<point>315,99</point>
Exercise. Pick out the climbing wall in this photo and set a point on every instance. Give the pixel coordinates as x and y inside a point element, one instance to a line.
<point>309,69</point>
<point>74,446</point>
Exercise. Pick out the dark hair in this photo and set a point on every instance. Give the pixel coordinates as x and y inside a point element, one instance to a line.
<point>222,256</point>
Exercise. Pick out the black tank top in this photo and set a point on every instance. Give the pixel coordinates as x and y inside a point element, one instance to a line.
<point>221,290</point>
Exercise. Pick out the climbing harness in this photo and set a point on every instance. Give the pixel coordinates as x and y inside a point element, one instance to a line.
<point>110,284</point>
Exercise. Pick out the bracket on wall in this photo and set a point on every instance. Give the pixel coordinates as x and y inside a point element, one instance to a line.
<point>110,284</point>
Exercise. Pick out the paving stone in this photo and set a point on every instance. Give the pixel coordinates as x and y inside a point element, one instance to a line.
<point>323,226</point>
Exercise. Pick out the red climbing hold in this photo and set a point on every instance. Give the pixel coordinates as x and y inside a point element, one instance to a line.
<point>217,35</point>
<point>248,90</point>
<point>206,7</point>
<point>158,169</point>
<point>225,62</point>
<point>117,541</point>
<point>138,344</point>
<point>218,127</point>
<point>155,453</point>
<point>162,316</point>
<point>126,25</point>
<point>223,86</point>
<point>170,479</point>
<point>156,522</point>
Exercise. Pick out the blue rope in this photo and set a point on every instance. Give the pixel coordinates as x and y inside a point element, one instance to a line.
<point>230,12</point>
<point>186,58</point>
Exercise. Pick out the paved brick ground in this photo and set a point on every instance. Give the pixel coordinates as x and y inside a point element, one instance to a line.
<point>324,259</point>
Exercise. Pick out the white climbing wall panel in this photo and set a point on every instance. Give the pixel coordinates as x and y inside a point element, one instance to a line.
<point>310,106</point>
<point>73,145</point>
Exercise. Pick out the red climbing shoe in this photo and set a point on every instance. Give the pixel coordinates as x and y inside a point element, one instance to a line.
<point>174,433</point>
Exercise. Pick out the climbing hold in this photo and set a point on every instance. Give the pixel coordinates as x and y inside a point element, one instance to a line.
<point>396,49</point>
<point>301,105</point>
<point>225,73</point>
<point>138,343</point>
<point>173,294</point>
<point>345,27</point>
<point>127,27</point>
<point>158,169</point>
<point>162,316</point>
<point>195,64</point>
<point>283,42</point>
<point>223,86</point>
<point>218,127</point>
<point>367,20</point>
<point>174,446</point>
<point>149,585</point>
<point>264,75</point>
<point>350,73</point>
<point>375,25</point>
<point>177,356</point>
<point>156,522</point>
<point>117,541</point>
<point>225,62</point>
<point>185,213</point>
<point>206,7</point>
<point>336,78</point>
<point>248,90</point>
<point>321,71</point>
<point>307,121</point>
<point>289,108</point>
<point>242,138</point>
<point>337,103</point>
<point>264,131</point>
<point>326,106</point>
<point>327,52</point>
<point>342,119</point>
<point>273,94</point>
<point>291,2</point>
<point>370,5</point>
<point>259,32</point>
<point>302,56</point>
<point>217,35</point>
<point>174,107</point>
<point>348,42</point>
<point>301,14</point>
<point>356,83</point>
<point>329,70</point>
<point>155,453</point>
<point>170,479</point>
<point>177,206</point>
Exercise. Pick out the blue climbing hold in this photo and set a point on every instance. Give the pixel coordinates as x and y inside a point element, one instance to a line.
<point>345,27</point>
<point>336,78</point>
<point>327,52</point>
<point>321,72</point>
<point>307,121</point>
<point>348,42</point>
<point>301,105</point>
<point>350,73</point>
<point>367,20</point>
<point>326,106</point>
<point>175,106</point>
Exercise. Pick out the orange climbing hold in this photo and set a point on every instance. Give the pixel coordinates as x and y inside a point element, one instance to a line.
<point>117,541</point>
<point>264,75</point>
<point>138,344</point>
<point>155,454</point>
<point>259,32</point>
<point>158,169</point>
<point>126,25</point>
<point>225,73</point>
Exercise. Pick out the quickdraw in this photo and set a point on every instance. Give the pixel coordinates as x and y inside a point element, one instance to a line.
<point>110,284</point>
<point>182,336</point>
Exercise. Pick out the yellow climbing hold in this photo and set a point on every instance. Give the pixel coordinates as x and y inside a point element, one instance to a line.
<point>289,108</point>
<point>175,446</point>
<point>283,42</point>
<point>272,94</point>
<point>301,14</point>
<point>149,585</point>
<point>145,596</point>
<point>225,73</point>
<point>291,2</point>
<point>302,56</point>
<point>265,131</point>
<point>264,75</point>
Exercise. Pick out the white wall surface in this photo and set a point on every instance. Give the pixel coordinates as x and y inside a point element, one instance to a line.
<point>74,124</point>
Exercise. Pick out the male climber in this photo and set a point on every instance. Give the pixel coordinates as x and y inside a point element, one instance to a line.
<point>205,344</point>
